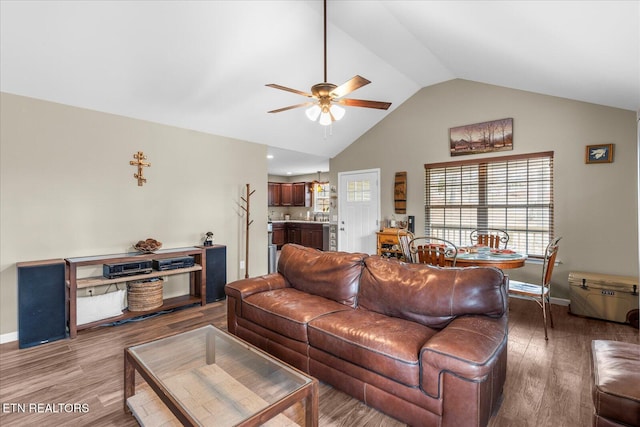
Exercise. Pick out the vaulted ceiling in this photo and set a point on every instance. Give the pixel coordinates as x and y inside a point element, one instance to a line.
<point>203,65</point>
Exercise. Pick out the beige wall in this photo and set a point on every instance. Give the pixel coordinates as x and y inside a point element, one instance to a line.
<point>67,189</point>
<point>596,205</point>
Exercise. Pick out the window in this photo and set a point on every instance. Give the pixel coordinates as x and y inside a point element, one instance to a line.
<point>513,193</point>
<point>359,191</point>
<point>321,197</point>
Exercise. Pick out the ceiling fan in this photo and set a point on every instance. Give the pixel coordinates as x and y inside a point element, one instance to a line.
<point>327,96</point>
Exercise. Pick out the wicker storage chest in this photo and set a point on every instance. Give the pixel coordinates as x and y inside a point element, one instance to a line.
<point>144,295</point>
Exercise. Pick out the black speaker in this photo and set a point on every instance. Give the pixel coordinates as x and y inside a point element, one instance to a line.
<point>411,224</point>
<point>42,314</point>
<point>216,272</point>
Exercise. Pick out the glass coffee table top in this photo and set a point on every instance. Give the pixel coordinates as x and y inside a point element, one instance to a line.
<point>213,377</point>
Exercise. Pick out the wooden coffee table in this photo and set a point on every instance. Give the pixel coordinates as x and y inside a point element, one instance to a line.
<point>209,377</point>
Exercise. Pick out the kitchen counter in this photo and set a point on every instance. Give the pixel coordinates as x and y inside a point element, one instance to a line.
<point>301,221</point>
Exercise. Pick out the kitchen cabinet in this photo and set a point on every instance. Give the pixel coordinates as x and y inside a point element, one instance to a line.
<point>301,194</point>
<point>279,234</point>
<point>293,233</point>
<point>311,235</point>
<point>286,194</point>
<point>306,237</point>
<point>289,194</point>
<point>317,238</point>
<point>274,194</point>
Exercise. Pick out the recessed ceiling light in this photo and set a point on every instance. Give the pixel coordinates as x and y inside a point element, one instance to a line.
<point>289,173</point>
<point>269,156</point>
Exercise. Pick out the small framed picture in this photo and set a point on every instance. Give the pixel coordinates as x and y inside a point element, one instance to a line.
<point>602,153</point>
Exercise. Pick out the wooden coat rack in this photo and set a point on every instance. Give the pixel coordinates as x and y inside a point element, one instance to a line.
<point>248,224</point>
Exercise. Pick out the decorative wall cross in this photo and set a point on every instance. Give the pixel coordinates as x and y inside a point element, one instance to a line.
<point>139,156</point>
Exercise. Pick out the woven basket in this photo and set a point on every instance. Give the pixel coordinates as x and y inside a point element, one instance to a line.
<point>144,296</point>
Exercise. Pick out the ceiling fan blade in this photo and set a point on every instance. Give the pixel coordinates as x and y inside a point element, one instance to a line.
<point>288,89</point>
<point>291,107</point>
<point>348,87</point>
<point>362,103</point>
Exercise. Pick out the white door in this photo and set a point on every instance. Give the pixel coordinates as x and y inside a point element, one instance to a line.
<point>358,210</point>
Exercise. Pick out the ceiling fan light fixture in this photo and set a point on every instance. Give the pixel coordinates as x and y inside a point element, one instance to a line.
<point>327,94</point>
<point>337,112</point>
<point>325,119</point>
<point>313,112</point>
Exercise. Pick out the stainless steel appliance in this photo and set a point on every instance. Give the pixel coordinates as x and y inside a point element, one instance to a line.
<point>326,246</point>
<point>272,249</point>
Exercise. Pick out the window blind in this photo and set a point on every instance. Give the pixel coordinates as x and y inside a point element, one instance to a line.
<point>512,193</point>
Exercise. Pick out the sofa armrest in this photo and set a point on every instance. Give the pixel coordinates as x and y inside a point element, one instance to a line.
<point>241,289</point>
<point>468,348</point>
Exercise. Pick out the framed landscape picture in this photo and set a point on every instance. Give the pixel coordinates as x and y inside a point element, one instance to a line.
<point>602,153</point>
<point>486,137</point>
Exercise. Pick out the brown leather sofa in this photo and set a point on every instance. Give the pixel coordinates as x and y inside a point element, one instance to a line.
<point>615,386</point>
<point>427,346</point>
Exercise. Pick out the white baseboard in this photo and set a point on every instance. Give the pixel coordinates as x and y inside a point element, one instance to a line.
<point>11,336</point>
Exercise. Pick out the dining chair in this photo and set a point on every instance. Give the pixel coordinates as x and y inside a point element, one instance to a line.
<point>540,293</point>
<point>433,251</point>
<point>495,238</point>
<point>404,237</point>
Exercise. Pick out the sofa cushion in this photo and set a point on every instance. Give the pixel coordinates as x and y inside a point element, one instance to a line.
<point>333,275</point>
<point>382,344</point>
<point>429,295</point>
<point>287,311</point>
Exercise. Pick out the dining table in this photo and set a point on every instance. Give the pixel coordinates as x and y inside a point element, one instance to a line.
<point>499,259</point>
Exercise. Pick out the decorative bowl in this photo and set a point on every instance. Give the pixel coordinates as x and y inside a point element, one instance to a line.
<point>148,246</point>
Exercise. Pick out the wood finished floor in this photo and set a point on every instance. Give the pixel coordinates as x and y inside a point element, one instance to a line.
<point>548,383</point>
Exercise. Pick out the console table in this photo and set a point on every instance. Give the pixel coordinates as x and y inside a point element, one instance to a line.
<point>197,281</point>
